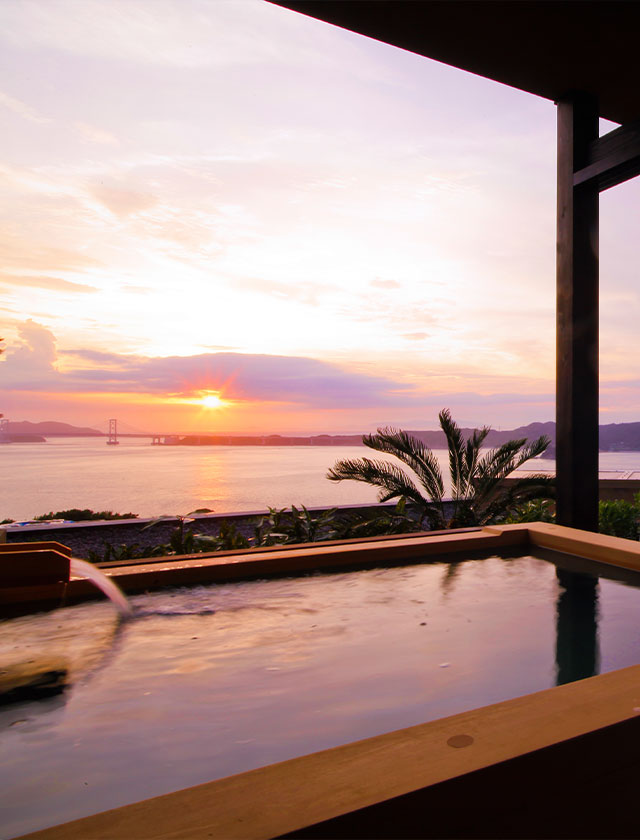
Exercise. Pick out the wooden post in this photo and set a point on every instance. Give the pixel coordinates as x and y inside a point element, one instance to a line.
<point>577,319</point>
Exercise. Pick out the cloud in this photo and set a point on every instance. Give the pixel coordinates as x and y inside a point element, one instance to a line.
<point>22,109</point>
<point>515,398</point>
<point>301,290</point>
<point>169,33</point>
<point>23,254</point>
<point>378,283</point>
<point>219,347</point>
<point>31,365</point>
<point>99,357</point>
<point>34,365</point>
<point>398,316</point>
<point>56,284</point>
<point>298,381</point>
<point>416,336</point>
<point>137,290</point>
<point>96,135</point>
<point>120,200</point>
<point>239,376</point>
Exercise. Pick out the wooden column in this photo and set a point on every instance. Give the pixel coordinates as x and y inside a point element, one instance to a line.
<point>577,319</point>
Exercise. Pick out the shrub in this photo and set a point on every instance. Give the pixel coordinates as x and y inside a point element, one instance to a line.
<point>537,510</point>
<point>228,539</point>
<point>297,525</point>
<point>114,553</point>
<point>619,518</point>
<point>77,515</point>
<point>271,529</point>
<point>302,526</point>
<point>394,521</point>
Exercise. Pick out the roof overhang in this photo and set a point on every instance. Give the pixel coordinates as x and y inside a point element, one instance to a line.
<point>547,47</point>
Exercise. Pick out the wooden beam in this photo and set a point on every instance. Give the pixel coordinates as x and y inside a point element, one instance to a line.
<point>611,159</point>
<point>577,319</point>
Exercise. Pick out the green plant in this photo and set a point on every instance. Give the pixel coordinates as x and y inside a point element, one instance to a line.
<point>78,515</point>
<point>479,495</point>
<point>302,526</point>
<point>297,525</point>
<point>228,539</point>
<point>537,510</point>
<point>393,521</point>
<point>619,518</point>
<point>270,530</point>
<point>131,551</point>
<point>182,540</point>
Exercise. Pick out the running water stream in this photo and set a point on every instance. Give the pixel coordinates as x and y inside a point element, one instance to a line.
<point>105,584</point>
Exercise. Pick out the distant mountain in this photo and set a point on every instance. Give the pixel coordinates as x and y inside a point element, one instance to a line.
<point>614,437</point>
<point>50,428</point>
<point>437,440</point>
<point>620,437</point>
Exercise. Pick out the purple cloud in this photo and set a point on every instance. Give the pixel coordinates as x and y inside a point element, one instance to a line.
<point>31,365</point>
<point>244,376</point>
<point>312,383</point>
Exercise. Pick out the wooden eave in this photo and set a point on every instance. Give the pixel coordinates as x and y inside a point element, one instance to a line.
<point>549,47</point>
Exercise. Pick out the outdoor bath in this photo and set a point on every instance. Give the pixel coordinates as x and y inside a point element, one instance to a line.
<point>212,680</point>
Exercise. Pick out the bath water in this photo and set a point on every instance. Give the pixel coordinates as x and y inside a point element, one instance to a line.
<point>209,681</point>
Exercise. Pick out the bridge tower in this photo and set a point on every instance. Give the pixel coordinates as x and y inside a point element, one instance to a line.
<point>113,433</point>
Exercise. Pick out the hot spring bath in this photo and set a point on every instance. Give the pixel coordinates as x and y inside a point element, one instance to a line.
<point>210,681</point>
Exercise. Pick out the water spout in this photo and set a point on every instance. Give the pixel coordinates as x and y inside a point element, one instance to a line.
<point>104,583</point>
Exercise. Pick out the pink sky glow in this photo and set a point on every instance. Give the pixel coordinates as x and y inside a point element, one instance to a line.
<point>207,197</point>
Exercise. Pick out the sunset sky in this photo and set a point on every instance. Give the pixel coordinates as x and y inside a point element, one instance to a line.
<point>318,232</point>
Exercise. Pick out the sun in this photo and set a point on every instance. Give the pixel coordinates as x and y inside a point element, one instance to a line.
<point>211,401</point>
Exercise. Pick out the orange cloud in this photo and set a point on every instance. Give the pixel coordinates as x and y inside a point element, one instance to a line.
<point>56,284</point>
<point>26,254</point>
<point>120,200</point>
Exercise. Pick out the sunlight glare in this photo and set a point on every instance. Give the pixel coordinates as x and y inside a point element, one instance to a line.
<point>211,401</point>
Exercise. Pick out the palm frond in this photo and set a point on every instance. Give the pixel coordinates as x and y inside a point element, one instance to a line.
<point>501,462</point>
<point>472,455</point>
<point>497,461</point>
<point>412,452</point>
<point>455,445</point>
<point>498,464</point>
<point>506,499</point>
<point>392,481</point>
<point>534,449</point>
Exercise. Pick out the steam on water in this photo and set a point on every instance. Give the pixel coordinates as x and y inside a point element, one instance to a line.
<point>99,579</point>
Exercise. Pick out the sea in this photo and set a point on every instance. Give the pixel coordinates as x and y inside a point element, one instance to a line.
<point>148,480</point>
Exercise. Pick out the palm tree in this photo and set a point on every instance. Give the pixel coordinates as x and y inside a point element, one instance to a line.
<point>478,493</point>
